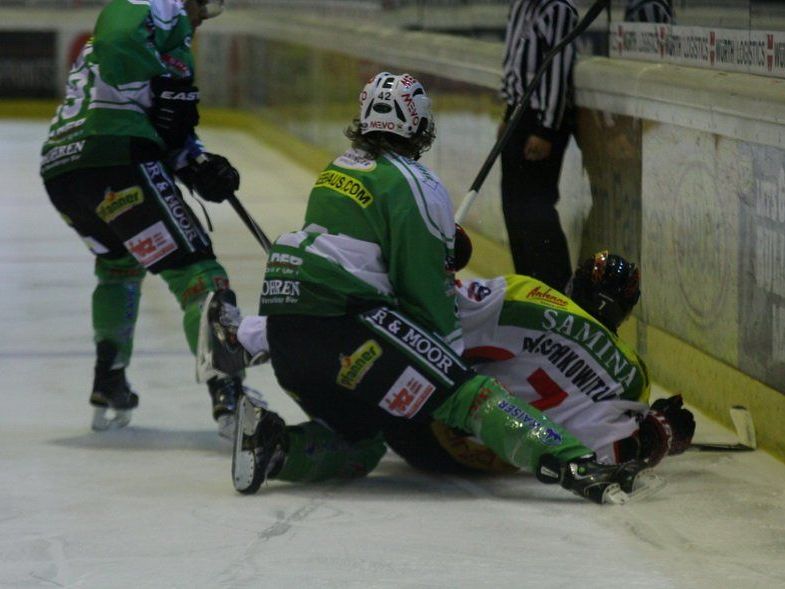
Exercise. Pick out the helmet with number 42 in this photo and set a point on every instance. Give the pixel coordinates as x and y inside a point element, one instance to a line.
<point>395,103</point>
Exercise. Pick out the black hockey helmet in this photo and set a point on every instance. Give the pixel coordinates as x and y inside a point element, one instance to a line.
<point>607,286</point>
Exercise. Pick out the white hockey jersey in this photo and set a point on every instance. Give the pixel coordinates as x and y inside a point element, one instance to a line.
<point>551,353</point>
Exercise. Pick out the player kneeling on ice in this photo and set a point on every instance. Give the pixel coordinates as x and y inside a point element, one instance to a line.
<point>362,327</point>
<point>562,355</point>
<point>510,333</point>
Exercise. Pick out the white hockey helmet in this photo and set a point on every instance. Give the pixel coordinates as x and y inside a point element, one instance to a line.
<point>395,104</point>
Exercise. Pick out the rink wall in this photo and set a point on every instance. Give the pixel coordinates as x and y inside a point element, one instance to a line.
<point>681,169</point>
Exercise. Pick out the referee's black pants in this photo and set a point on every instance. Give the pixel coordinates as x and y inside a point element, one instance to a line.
<point>530,191</point>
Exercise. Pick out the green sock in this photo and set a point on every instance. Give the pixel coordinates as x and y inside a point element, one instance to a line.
<point>190,286</point>
<point>516,431</point>
<point>316,453</point>
<point>115,303</point>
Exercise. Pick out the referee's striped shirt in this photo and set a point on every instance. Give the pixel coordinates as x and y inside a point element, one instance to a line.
<point>649,11</point>
<point>533,28</point>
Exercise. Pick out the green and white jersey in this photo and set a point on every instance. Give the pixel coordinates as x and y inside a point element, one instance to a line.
<point>376,232</point>
<point>108,90</point>
<point>548,351</point>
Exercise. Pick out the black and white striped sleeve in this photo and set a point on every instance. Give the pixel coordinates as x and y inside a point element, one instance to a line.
<point>534,27</point>
<point>554,23</point>
<point>657,11</point>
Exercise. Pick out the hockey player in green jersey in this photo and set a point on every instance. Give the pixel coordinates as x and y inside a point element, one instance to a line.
<point>362,327</point>
<point>124,130</point>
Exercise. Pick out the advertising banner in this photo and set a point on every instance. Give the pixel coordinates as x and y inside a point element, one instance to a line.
<point>27,64</point>
<point>733,50</point>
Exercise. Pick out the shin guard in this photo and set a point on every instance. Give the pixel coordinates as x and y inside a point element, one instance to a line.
<point>190,286</point>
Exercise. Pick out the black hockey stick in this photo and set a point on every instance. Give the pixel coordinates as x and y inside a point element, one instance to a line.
<point>252,225</point>
<point>745,431</point>
<point>520,107</point>
<point>720,448</point>
<point>246,218</point>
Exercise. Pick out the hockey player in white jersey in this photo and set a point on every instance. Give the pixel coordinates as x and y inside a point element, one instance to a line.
<point>562,355</point>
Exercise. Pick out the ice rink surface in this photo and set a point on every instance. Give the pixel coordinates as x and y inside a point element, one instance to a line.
<point>153,505</point>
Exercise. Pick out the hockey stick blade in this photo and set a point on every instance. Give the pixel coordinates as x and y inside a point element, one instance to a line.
<point>720,447</point>
<point>745,431</point>
<point>745,428</point>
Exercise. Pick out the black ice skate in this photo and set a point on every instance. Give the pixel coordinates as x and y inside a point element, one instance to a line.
<point>112,396</point>
<point>224,393</point>
<point>601,483</point>
<point>259,445</point>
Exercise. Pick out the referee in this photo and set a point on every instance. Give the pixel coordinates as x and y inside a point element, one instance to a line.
<point>532,159</point>
<point>658,11</point>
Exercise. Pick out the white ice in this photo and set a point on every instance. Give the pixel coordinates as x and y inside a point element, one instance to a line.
<point>153,505</point>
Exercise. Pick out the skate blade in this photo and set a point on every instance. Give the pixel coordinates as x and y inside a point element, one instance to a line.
<point>248,417</point>
<point>204,352</point>
<point>106,419</point>
<point>243,470</point>
<point>243,461</point>
<point>646,484</point>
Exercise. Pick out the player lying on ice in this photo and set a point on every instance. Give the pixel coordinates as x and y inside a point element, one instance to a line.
<point>562,355</point>
<point>363,331</point>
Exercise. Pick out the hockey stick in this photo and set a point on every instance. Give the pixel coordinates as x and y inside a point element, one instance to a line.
<point>249,221</point>
<point>520,107</point>
<point>246,218</point>
<point>745,431</point>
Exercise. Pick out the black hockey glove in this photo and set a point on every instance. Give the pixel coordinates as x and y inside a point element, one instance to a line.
<point>212,177</point>
<point>681,421</point>
<point>667,429</point>
<point>174,114</point>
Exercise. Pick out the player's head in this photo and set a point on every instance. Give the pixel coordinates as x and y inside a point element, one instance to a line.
<point>395,115</point>
<point>201,10</point>
<point>607,286</point>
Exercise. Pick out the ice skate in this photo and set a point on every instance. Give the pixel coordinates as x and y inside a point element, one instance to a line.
<point>259,445</point>
<point>218,353</point>
<point>601,483</point>
<point>112,396</point>
<point>113,401</point>
<point>224,393</point>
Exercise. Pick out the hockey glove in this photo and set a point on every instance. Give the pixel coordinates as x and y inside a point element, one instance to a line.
<point>212,177</point>
<point>667,429</point>
<point>681,421</point>
<point>174,114</point>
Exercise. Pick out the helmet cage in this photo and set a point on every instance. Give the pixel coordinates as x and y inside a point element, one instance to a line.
<point>395,104</point>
